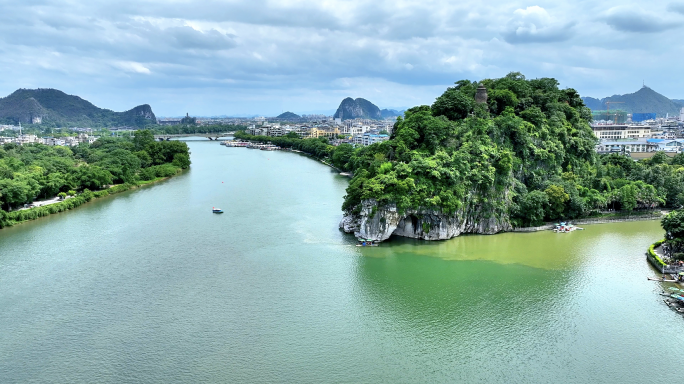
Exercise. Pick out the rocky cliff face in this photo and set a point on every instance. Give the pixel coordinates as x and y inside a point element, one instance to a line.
<point>359,108</point>
<point>379,223</point>
<point>140,115</point>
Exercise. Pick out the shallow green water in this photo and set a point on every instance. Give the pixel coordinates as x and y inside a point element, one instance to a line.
<point>150,287</point>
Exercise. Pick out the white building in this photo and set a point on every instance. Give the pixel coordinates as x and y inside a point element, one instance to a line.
<point>26,139</point>
<point>671,145</point>
<point>53,141</point>
<point>276,131</point>
<point>621,131</point>
<point>372,138</point>
<point>627,146</point>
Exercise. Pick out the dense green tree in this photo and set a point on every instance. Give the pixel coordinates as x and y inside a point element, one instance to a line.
<point>14,192</point>
<point>181,160</point>
<point>557,199</point>
<point>455,104</point>
<point>673,224</point>
<point>533,207</point>
<point>142,139</point>
<point>34,171</point>
<point>342,155</point>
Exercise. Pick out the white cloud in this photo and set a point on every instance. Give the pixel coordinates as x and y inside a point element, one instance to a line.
<point>535,25</point>
<point>308,54</point>
<point>132,67</point>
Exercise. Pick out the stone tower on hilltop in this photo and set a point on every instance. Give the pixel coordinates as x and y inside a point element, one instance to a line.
<point>481,95</point>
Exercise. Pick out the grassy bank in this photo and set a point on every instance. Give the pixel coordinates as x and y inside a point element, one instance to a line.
<point>8,219</point>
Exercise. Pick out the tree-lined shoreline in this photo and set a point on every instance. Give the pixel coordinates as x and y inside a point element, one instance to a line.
<point>35,171</point>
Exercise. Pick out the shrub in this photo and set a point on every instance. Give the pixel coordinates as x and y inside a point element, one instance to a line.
<point>165,170</point>
<point>147,174</point>
<point>651,252</point>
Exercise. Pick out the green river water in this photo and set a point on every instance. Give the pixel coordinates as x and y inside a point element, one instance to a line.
<point>150,287</point>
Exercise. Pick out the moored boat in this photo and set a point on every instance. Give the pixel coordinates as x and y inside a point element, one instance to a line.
<point>565,227</point>
<point>367,243</point>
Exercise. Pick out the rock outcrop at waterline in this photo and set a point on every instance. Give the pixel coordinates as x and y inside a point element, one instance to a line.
<point>379,223</point>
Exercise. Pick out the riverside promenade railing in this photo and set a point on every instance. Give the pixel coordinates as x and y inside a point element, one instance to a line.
<point>672,269</point>
<point>598,220</point>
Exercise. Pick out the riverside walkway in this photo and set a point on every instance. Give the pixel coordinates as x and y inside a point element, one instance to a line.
<point>674,268</point>
<point>43,203</point>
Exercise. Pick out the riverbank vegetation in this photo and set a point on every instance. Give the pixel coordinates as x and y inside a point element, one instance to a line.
<point>673,224</point>
<point>527,153</point>
<point>318,148</point>
<point>36,171</point>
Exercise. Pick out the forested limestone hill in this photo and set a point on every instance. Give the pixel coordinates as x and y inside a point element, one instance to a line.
<point>55,108</point>
<point>357,109</point>
<point>519,156</point>
<point>644,100</point>
<point>288,116</point>
<point>386,113</point>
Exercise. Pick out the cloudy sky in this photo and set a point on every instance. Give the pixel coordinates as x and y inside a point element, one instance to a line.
<point>238,57</point>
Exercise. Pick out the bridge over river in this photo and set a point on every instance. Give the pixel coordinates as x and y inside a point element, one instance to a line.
<point>210,136</point>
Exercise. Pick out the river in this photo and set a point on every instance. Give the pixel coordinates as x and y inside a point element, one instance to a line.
<point>149,286</point>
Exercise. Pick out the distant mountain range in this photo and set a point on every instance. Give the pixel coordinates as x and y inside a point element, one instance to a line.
<point>644,100</point>
<point>54,107</point>
<point>362,109</point>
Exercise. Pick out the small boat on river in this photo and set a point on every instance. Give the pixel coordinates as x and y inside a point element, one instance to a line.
<point>565,227</point>
<point>367,243</point>
<point>217,210</point>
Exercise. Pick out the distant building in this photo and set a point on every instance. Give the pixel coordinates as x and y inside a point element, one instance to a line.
<point>671,145</point>
<point>330,133</point>
<point>169,122</point>
<point>54,141</point>
<point>627,146</point>
<point>372,138</point>
<point>276,131</point>
<point>621,131</point>
<point>368,138</point>
<point>26,139</point>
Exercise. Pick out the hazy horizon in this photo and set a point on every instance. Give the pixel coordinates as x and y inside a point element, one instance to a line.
<point>239,58</point>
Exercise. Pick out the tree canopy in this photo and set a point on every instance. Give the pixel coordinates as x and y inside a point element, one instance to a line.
<point>36,171</point>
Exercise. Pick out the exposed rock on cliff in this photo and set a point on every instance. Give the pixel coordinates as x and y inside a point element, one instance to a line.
<point>359,108</point>
<point>379,223</point>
